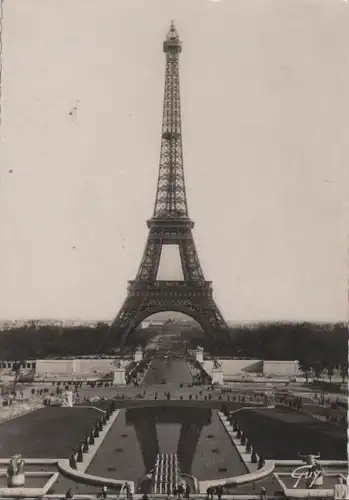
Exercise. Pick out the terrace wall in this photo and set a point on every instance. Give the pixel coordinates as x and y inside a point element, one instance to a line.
<point>287,368</point>
<point>236,366</point>
<point>233,367</point>
<point>77,366</point>
<point>54,366</point>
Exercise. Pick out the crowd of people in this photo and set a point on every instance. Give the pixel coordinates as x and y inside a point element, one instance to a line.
<point>179,493</point>
<point>340,492</point>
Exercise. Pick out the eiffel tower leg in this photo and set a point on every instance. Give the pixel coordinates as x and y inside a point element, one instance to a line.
<point>125,322</point>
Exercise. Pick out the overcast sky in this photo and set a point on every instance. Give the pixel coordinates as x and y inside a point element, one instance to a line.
<point>265,106</point>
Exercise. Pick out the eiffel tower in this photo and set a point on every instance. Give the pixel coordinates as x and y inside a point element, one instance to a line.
<point>169,225</point>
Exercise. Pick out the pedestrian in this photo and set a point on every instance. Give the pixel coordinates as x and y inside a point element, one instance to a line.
<point>340,489</point>
<point>180,490</point>
<point>219,492</point>
<point>187,492</point>
<point>69,494</point>
<point>128,491</point>
<point>263,494</point>
<point>103,493</point>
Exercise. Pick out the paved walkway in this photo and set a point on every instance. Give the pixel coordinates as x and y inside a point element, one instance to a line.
<point>18,408</point>
<point>167,371</point>
<point>281,433</point>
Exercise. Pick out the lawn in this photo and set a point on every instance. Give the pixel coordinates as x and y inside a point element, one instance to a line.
<point>46,433</point>
<point>280,433</point>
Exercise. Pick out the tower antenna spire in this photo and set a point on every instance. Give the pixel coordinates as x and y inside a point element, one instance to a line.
<point>170,198</point>
<point>173,27</point>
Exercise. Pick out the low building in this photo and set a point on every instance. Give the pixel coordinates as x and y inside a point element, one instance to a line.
<point>281,368</point>
<point>78,366</point>
<point>9,366</point>
<point>151,324</point>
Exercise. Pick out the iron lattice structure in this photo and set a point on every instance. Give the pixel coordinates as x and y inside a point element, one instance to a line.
<point>169,225</point>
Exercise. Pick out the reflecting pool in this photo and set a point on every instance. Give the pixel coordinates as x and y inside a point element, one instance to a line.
<point>196,435</point>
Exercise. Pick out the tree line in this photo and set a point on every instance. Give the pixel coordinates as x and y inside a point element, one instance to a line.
<point>316,346</point>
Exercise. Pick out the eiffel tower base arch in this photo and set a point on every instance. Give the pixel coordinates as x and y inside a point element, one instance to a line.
<point>144,300</point>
